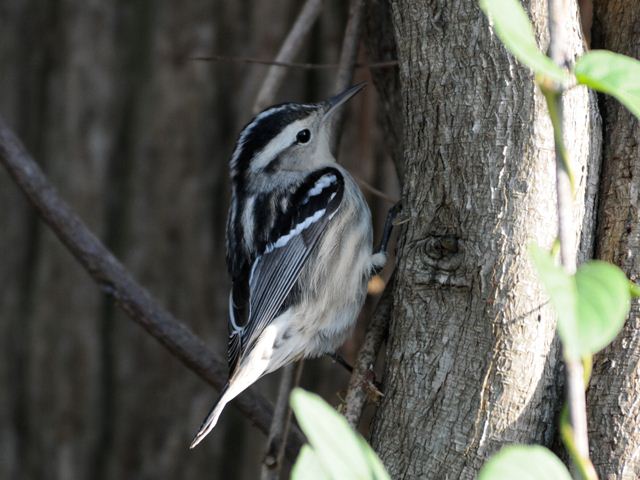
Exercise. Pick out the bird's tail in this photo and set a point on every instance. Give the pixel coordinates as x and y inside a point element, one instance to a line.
<point>242,379</point>
<point>255,365</point>
<point>212,417</point>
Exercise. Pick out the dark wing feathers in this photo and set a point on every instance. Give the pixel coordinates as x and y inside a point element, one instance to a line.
<point>281,257</point>
<point>234,344</point>
<point>238,305</point>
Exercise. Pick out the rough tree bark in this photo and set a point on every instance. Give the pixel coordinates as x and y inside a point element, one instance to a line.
<point>471,357</point>
<point>613,399</point>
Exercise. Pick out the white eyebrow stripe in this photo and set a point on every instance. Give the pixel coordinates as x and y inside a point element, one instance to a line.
<point>261,116</point>
<point>249,128</point>
<point>279,143</point>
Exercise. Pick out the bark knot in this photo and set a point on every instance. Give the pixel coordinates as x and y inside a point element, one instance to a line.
<point>443,252</point>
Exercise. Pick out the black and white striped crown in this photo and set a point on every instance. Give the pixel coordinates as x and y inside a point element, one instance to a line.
<point>262,129</point>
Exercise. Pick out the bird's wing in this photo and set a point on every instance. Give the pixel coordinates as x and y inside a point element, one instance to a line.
<point>276,268</point>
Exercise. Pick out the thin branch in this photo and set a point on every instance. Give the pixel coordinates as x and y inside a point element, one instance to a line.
<point>300,65</point>
<point>290,48</point>
<point>273,459</point>
<point>559,15</point>
<point>348,57</point>
<point>115,281</point>
<point>359,384</point>
<point>374,191</point>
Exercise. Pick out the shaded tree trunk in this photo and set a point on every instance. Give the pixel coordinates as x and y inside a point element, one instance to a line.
<point>471,359</point>
<point>614,392</point>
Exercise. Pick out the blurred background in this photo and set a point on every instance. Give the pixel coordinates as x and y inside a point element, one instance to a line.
<point>136,135</point>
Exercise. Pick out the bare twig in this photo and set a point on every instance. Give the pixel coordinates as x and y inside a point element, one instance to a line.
<point>300,65</point>
<point>559,15</point>
<point>274,455</point>
<point>115,281</point>
<point>348,57</point>
<point>290,48</point>
<point>374,191</point>
<point>361,378</point>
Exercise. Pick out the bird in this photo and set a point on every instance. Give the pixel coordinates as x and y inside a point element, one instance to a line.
<point>298,245</point>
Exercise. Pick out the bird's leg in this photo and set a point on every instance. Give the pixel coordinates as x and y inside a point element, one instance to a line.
<point>381,252</point>
<point>372,385</point>
<point>338,359</point>
<point>379,258</point>
<point>388,226</point>
<point>378,261</point>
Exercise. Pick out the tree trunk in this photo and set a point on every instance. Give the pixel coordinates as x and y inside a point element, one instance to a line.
<point>614,392</point>
<point>472,362</point>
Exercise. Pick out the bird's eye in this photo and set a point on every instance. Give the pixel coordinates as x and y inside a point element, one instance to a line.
<point>303,136</point>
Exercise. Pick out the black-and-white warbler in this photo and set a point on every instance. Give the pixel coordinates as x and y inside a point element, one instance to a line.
<point>299,245</point>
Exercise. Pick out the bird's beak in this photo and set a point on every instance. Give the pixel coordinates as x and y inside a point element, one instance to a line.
<point>335,102</point>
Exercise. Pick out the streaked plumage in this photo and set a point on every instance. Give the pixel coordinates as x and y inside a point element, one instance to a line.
<point>299,245</point>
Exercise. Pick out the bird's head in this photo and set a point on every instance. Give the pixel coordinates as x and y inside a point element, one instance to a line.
<point>291,137</point>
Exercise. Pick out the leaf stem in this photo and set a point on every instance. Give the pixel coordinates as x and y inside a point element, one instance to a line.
<point>575,437</point>
<point>583,464</point>
<point>553,97</point>
<point>634,288</point>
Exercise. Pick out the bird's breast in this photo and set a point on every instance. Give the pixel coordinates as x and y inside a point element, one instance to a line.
<point>336,278</point>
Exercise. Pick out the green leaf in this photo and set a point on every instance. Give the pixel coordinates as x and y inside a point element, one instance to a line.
<point>603,304</point>
<point>524,462</point>
<point>513,27</point>
<point>308,466</point>
<point>591,305</point>
<point>375,464</point>
<point>563,295</point>
<point>342,452</point>
<point>634,289</point>
<point>612,73</point>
